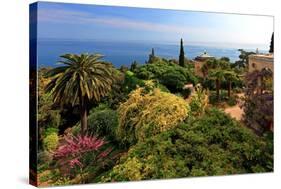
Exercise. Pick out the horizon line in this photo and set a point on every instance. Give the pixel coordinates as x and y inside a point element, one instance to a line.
<point>194,43</point>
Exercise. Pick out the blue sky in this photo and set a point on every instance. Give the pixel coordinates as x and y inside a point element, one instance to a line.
<point>86,22</point>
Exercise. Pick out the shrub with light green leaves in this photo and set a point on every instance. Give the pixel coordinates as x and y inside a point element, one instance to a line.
<point>149,112</point>
<point>50,142</point>
<point>198,101</point>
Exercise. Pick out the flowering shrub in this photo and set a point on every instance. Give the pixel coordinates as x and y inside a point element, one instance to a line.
<point>78,154</point>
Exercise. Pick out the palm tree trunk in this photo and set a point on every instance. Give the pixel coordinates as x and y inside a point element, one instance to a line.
<point>218,89</point>
<point>229,89</point>
<point>83,116</point>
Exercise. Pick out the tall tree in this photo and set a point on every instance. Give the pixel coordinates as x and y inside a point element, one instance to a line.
<point>151,56</point>
<point>231,77</point>
<point>123,68</point>
<point>243,59</point>
<point>81,79</point>
<point>134,66</point>
<point>152,52</point>
<point>271,48</point>
<point>218,75</point>
<point>214,64</point>
<point>181,56</point>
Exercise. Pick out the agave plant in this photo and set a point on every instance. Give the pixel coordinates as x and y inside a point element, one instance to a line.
<point>82,78</point>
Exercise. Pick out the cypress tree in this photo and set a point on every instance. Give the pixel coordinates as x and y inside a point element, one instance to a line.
<point>181,57</point>
<point>271,48</point>
<point>151,56</point>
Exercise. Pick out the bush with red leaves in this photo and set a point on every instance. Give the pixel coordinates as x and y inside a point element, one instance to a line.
<point>83,155</point>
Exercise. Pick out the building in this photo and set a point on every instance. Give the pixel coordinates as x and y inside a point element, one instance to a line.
<point>260,61</point>
<point>199,62</point>
<point>265,64</point>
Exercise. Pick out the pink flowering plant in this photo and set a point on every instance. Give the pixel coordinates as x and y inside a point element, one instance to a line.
<point>83,155</point>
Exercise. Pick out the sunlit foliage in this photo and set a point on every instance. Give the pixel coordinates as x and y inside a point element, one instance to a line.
<point>145,114</point>
<point>213,144</point>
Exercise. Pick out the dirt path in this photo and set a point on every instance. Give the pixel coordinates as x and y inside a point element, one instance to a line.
<point>236,111</point>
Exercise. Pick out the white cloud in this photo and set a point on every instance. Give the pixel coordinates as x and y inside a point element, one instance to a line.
<point>235,29</point>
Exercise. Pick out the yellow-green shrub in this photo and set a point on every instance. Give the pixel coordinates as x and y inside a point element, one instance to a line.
<point>198,101</point>
<point>145,114</point>
<point>51,141</point>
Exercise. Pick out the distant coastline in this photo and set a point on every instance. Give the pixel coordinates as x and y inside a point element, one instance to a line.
<point>124,53</point>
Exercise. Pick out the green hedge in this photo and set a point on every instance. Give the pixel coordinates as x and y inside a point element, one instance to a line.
<point>213,144</point>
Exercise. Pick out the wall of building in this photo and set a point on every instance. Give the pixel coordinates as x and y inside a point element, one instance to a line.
<point>258,62</point>
<point>197,68</point>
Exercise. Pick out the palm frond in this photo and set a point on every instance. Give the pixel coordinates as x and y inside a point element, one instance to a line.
<point>83,75</point>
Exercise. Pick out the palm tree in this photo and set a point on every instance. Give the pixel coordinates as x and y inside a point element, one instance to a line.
<point>231,77</point>
<point>218,75</point>
<point>81,79</point>
<point>214,64</point>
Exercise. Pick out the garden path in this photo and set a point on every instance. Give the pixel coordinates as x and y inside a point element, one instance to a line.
<point>236,111</point>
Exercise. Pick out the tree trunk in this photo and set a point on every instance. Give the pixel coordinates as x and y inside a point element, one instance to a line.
<point>229,89</point>
<point>83,116</point>
<point>218,89</point>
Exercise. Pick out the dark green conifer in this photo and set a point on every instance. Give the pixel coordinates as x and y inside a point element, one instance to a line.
<point>181,57</point>
<point>271,48</point>
<point>151,56</point>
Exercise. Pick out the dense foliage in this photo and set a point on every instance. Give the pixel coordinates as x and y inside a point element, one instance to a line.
<point>213,144</point>
<point>51,141</point>
<point>221,72</point>
<point>131,82</point>
<point>49,116</point>
<point>159,117</point>
<point>173,76</point>
<point>198,101</point>
<point>103,122</point>
<point>145,114</point>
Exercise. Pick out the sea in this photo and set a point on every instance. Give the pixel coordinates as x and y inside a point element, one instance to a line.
<point>124,53</point>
